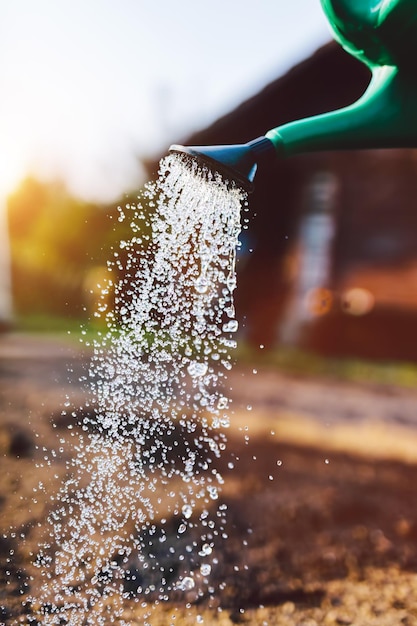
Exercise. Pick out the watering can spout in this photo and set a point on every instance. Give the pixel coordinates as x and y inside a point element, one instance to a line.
<point>385,117</point>
<point>237,162</point>
<point>383,35</point>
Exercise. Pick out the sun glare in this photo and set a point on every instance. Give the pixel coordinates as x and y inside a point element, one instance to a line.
<point>11,173</point>
<point>13,154</point>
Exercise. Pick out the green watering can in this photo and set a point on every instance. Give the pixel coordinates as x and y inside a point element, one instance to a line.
<point>383,35</point>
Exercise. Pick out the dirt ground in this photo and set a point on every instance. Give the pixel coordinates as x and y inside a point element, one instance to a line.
<point>322,506</point>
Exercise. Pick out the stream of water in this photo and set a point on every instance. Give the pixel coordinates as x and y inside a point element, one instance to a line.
<point>140,516</point>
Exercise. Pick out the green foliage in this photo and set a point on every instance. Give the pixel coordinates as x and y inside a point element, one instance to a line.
<point>76,332</point>
<point>59,246</point>
<point>296,362</point>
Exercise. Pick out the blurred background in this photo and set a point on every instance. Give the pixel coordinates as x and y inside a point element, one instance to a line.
<point>92,95</point>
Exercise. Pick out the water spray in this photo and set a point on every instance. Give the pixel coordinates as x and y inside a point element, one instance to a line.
<point>383,35</point>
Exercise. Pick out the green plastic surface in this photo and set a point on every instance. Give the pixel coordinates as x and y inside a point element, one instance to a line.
<point>383,35</point>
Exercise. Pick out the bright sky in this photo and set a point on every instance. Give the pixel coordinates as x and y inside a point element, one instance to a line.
<point>88,87</point>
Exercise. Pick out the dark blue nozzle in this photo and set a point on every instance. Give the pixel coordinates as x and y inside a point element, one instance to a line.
<point>237,162</point>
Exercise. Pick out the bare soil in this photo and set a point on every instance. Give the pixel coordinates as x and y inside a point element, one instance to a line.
<point>322,507</point>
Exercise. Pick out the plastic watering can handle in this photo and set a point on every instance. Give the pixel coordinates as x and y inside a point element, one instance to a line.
<point>378,32</point>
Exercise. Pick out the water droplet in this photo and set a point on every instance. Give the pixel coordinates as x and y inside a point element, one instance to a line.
<point>213,492</point>
<point>205,569</point>
<point>197,369</point>
<point>222,403</point>
<point>231,327</point>
<point>201,284</point>
<point>187,511</point>
<point>186,584</point>
<point>206,550</point>
<point>231,282</point>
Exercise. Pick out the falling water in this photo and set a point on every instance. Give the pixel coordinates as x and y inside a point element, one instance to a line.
<point>140,516</point>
